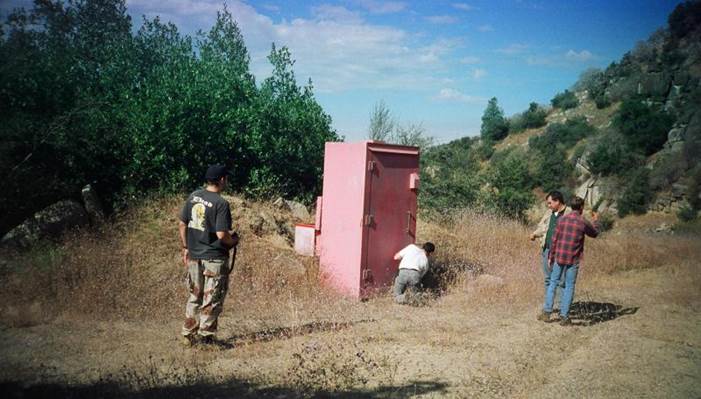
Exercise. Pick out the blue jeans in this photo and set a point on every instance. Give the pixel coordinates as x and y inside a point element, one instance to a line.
<point>546,271</point>
<point>568,273</point>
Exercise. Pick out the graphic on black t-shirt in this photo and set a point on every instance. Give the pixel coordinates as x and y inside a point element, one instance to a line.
<point>197,217</point>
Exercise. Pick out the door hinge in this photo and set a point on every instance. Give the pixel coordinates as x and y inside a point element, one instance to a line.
<point>371,166</point>
<point>367,274</point>
<point>368,219</point>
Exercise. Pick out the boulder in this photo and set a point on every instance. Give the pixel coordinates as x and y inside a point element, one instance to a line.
<point>590,191</point>
<point>93,205</point>
<point>654,84</point>
<point>49,223</point>
<point>299,211</point>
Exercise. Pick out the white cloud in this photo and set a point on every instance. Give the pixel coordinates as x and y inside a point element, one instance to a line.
<point>463,6</point>
<point>478,73</point>
<point>327,12</point>
<point>271,7</point>
<point>584,55</point>
<point>382,7</point>
<point>448,94</point>
<point>470,60</point>
<point>442,19</point>
<point>485,28</point>
<point>335,46</point>
<point>515,48</point>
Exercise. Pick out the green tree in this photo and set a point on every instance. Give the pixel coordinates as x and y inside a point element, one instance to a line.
<point>512,183</point>
<point>644,126</point>
<point>637,193</point>
<point>565,100</point>
<point>494,126</point>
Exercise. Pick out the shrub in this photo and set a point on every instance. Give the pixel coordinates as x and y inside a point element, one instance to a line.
<point>566,135</point>
<point>606,221</point>
<point>533,117</point>
<point>512,182</point>
<point>610,155</point>
<point>565,100</point>
<point>686,214</point>
<point>644,127</point>
<point>636,194</point>
<point>602,101</point>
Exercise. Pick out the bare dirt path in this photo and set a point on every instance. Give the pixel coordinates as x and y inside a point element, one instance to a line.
<point>644,341</point>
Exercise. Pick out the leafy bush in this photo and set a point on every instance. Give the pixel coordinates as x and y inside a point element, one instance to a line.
<point>533,117</point>
<point>611,155</point>
<point>602,101</point>
<point>644,127</point>
<point>687,214</point>
<point>636,194</point>
<point>512,183</point>
<point>494,126</point>
<point>565,100</point>
<point>449,174</point>
<point>606,221</point>
<point>551,170</point>
<point>565,135</point>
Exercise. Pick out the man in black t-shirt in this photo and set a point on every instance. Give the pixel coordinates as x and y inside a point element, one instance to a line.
<point>206,238</point>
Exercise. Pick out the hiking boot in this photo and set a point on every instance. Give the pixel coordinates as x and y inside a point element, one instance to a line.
<point>565,321</point>
<point>544,316</point>
<point>207,340</point>
<point>188,340</point>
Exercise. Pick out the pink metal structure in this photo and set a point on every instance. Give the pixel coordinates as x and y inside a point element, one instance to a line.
<point>366,214</point>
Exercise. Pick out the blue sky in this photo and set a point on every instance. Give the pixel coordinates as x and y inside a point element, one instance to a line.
<point>432,62</point>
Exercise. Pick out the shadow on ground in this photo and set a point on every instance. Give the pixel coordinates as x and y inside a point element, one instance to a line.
<point>587,313</point>
<point>224,389</point>
<point>276,333</point>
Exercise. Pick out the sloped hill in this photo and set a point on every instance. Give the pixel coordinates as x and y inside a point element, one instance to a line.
<point>627,137</point>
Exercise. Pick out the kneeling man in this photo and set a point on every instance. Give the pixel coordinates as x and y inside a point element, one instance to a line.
<point>413,266</point>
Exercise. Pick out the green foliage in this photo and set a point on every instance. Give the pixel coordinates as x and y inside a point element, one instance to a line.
<point>494,126</point>
<point>533,117</point>
<point>687,214</point>
<point>636,193</point>
<point>552,171</point>
<point>449,174</point>
<point>86,100</point>
<point>685,19</point>
<point>565,100</point>
<point>606,222</point>
<point>644,126</point>
<point>610,154</point>
<point>562,135</point>
<point>512,183</point>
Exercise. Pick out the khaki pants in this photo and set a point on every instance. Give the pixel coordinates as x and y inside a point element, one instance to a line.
<point>208,282</point>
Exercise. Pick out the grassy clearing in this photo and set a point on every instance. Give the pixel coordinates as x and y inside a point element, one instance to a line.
<point>120,292</point>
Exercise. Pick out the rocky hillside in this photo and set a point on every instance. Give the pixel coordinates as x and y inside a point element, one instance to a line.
<point>627,138</point>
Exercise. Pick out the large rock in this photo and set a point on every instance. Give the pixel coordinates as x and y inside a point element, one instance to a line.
<point>654,84</point>
<point>92,203</point>
<point>590,191</point>
<point>48,223</point>
<point>298,210</point>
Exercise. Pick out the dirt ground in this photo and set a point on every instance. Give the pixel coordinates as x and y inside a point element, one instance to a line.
<point>83,329</point>
<point>632,344</point>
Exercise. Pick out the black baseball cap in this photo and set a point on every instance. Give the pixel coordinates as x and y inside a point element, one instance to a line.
<point>216,172</point>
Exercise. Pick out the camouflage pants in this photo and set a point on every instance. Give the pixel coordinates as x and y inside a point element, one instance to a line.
<point>208,282</point>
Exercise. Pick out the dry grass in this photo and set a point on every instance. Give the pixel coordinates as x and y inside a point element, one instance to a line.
<point>293,337</point>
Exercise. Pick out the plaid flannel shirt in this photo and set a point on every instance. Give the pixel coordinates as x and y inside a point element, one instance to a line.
<point>568,241</point>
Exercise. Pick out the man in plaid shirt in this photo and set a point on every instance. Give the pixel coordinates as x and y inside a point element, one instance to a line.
<point>565,254</point>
